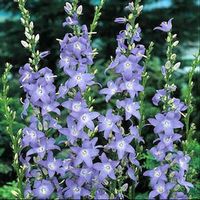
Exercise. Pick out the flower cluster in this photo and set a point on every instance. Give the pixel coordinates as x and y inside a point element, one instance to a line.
<point>169,177</point>
<point>38,147</point>
<point>62,154</point>
<point>127,66</point>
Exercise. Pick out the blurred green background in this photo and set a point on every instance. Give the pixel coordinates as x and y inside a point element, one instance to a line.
<point>48,17</point>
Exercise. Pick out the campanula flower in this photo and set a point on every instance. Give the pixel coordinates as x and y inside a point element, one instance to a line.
<point>165,26</point>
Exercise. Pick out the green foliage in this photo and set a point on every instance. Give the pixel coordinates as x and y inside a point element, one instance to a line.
<point>142,196</point>
<point>5,168</point>
<point>6,191</point>
<point>149,161</point>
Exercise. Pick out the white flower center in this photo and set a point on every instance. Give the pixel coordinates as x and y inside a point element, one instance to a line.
<point>76,107</point>
<point>158,153</point>
<point>128,108</point>
<point>157,173</point>
<point>166,123</point>
<point>40,91</point>
<point>79,78</point>
<point>113,91</point>
<point>32,134</point>
<point>74,131</point>
<point>129,85</point>
<point>48,109</point>
<point>160,189</point>
<point>77,45</point>
<point>84,152</point>
<point>51,165</point>
<point>43,189</point>
<point>181,162</point>
<point>167,140</point>
<point>127,65</point>
<point>85,118</point>
<point>121,144</point>
<point>27,76</point>
<point>109,123</point>
<point>41,149</point>
<point>107,167</point>
<point>76,189</point>
<point>84,172</point>
<point>66,59</point>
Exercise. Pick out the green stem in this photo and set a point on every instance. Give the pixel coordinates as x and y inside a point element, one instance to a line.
<point>144,82</point>
<point>31,39</point>
<point>97,15</point>
<point>189,97</point>
<point>169,69</point>
<point>15,138</point>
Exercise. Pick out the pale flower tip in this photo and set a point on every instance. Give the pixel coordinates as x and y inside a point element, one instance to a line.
<point>24,44</point>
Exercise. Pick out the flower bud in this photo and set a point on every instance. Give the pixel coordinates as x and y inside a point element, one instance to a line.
<point>24,44</point>
<point>79,10</point>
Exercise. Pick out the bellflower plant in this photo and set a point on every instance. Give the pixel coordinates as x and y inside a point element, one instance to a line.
<point>128,67</point>
<point>168,180</point>
<point>68,150</point>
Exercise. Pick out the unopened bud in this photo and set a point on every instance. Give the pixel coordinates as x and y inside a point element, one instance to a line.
<point>24,44</point>
<point>79,10</point>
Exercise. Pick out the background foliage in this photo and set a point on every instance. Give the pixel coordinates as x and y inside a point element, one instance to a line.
<point>48,17</point>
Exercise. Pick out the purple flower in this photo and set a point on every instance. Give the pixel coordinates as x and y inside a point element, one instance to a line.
<point>158,96</point>
<point>85,119</point>
<point>106,167</point>
<point>161,189</point>
<point>67,62</point>
<point>137,36</point>
<point>178,105</point>
<point>44,54</point>
<point>72,132</point>
<point>39,92</point>
<point>31,136</point>
<point>158,153</point>
<point>180,177</point>
<point>167,141</point>
<point>52,107</point>
<point>132,87</point>
<point>86,153</point>
<point>110,91</point>
<point>135,133</point>
<point>101,194</point>
<point>166,122</point>
<point>82,80</point>
<point>165,26</point>
<point>122,145</point>
<point>62,91</point>
<point>71,21</point>
<point>76,105</point>
<point>107,124</point>
<point>75,190</point>
<point>182,160</point>
<point>179,195</point>
<point>51,164</point>
<point>50,122</point>
<point>131,108</point>
<point>42,147</point>
<point>84,174</point>
<point>157,174</point>
<point>27,74</point>
<point>126,66</point>
<point>121,20</point>
<point>131,174</point>
<point>43,189</point>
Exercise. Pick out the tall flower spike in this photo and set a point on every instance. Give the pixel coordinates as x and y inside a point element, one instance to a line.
<point>127,66</point>
<point>76,58</point>
<point>170,174</point>
<point>41,96</point>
